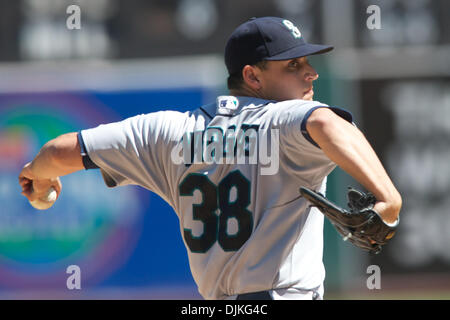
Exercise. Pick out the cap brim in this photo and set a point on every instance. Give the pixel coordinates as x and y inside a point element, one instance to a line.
<point>303,50</point>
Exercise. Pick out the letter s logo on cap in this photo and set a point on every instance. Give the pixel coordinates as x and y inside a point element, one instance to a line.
<point>295,32</point>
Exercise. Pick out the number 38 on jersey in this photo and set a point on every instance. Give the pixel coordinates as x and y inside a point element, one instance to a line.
<point>216,209</point>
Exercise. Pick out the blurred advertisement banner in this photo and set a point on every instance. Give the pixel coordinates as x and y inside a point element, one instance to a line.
<point>94,238</point>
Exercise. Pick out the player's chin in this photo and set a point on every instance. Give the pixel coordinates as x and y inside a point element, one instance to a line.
<point>308,95</point>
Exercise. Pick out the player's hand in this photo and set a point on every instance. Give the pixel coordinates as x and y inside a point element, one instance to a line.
<point>33,187</point>
<point>387,213</point>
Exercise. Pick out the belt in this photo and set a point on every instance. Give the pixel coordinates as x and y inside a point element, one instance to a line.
<point>261,295</point>
<point>265,295</point>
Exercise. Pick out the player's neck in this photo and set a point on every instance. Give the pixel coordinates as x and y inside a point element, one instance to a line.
<point>246,92</point>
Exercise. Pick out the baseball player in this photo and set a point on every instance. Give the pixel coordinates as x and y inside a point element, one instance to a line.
<point>232,169</point>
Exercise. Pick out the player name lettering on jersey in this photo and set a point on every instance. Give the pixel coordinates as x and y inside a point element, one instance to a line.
<point>246,145</point>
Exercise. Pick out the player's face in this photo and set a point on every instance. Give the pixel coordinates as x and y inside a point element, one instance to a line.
<point>288,79</point>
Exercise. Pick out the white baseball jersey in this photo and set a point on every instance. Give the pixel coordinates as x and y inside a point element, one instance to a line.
<point>231,171</point>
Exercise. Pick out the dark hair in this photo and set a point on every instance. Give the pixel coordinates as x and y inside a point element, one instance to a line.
<point>236,80</point>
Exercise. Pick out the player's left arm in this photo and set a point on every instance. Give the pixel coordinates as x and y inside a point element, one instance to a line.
<point>58,157</point>
<point>346,145</point>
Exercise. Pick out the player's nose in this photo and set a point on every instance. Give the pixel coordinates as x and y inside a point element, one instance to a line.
<point>310,73</point>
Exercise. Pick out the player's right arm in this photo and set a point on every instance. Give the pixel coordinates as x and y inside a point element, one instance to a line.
<point>58,157</point>
<point>346,146</point>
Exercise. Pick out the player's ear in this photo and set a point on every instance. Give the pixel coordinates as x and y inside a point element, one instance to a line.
<point>251,77</point>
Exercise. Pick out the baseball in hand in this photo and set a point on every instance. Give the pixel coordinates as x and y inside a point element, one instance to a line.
<point>45,202</point>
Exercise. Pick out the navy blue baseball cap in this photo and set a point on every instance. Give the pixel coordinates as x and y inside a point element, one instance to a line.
<point>267,38</point>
